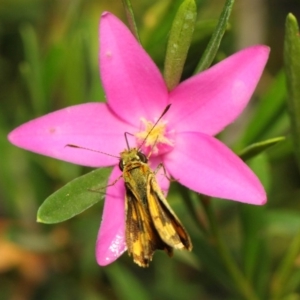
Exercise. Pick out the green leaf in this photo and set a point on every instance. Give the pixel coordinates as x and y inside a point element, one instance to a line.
<point>31,68</point>
<point>283,222</point>
<point>254,246</point>
<point>261,167</point>
<point>215,41</point>
<point>259,147</point>
<point>179,42</point>
<point>268,111</point>
<point>130,18</point>
<point>125,284</point>
<point>154,34</point>
<point>285,270</point>
<point>53,64</point>
<point>75,197</point>
<point>74,76</point>
<point>292,69</point>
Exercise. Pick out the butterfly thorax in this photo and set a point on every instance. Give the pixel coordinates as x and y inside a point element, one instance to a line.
<point>134,165</point>
<point>128,157</point>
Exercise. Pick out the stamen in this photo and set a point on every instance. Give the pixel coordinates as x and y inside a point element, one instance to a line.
<point>158,141</point>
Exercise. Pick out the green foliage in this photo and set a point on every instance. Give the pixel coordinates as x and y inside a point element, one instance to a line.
<point>179,42</point>
<point>268,113</point>
<point>215,41</point>
<point>256,148</point>
<point>292,67</point>
<point>74,198</point>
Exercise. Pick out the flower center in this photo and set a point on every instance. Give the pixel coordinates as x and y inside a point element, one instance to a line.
<point>155,138</point>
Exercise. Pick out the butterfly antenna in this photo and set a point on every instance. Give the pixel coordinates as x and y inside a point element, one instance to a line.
<point>89,149</point>
<point>163,113</point>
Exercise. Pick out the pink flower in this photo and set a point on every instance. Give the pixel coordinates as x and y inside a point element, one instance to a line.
<point>136,96</point>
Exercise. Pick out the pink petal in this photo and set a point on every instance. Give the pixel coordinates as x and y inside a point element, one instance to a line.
<point>133,84</point>
<point>214,98</point>
<point>90,125</point>
<point>111,237</point>
<point>205,165</point>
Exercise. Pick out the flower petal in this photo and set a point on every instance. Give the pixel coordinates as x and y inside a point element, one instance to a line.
<point>90,125</point>
<point>111,237</point>
<point>214,98</point>
<point>205,165</point>
<point>133,84</point>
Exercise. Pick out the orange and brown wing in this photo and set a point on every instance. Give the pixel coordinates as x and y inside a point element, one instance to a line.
<point>167,224</point>
<point>142,238</point>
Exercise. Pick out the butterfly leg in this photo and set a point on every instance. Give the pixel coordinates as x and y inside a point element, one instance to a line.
<point>165,172</point>
<point>104,187</point>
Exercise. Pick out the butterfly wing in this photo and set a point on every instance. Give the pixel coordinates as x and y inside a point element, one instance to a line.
<point>142,239</point>
<point>167,224</point>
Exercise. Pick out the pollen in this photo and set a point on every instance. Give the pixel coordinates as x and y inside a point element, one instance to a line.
<point>154,137</point>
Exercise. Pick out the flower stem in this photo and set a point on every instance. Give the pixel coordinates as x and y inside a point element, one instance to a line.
<point>238,277</point>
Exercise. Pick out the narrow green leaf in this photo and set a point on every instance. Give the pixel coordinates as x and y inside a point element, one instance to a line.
<point>212,260</point>
<point>179,42</point>
<point>292,285</point>
<point>31,68</point>
<point>125,284</point>
<point>242,285</point>
<point>252,219</point>
<point>130,18</point>
<point>74,77</point>
<point>261,167</point>
<point>292,69</point>
<point>257,148</point>
<point>267,112</point>
<point>53,64</point>
<point>283,222</point>
<point>161,15</point>
<point>75,197</point>
<point>285,270</point>
<point>215,41</point>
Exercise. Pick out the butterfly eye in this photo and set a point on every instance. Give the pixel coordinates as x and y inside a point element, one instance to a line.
<point>142,157</point>
<point>121,165</point>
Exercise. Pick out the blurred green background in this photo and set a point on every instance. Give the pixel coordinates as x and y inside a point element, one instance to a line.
<point>49,60</point>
